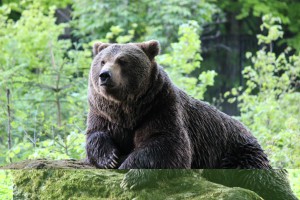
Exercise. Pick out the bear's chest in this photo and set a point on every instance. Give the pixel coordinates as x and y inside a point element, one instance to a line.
<point>123,138</point>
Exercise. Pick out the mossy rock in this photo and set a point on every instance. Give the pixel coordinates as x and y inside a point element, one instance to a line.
<point>69,179</point>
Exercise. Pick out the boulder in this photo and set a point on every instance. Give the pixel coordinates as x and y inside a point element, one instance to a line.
<point>71,179</point>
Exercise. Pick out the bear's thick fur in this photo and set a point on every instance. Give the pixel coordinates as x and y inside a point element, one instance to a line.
<point>139,120</point>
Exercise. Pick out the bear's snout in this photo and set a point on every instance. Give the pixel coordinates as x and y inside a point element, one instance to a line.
<point>105,77</point>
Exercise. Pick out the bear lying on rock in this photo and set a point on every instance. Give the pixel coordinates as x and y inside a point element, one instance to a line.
<point>139,119</point>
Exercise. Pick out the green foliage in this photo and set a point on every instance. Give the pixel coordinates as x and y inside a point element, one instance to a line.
<point>183,62</point>
<point>6,185</point>
<point>274,30</point>
<point>47,81</point>
<point>154,19</point>
<point>119,35</point>
<point>294,176</point>
<point>93,19</point>
<point>269,103</point>
<point>286,10</point>
<point>44,5</point>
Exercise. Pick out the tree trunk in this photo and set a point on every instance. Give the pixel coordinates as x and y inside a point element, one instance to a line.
<point>9,120</point>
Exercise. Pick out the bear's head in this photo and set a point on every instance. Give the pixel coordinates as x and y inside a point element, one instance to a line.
<point>122,71</point>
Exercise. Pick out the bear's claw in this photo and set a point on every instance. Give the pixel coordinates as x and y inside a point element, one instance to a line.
<point>108,161</point>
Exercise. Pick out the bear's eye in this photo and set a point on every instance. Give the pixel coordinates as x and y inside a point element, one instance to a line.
<point>102,62</point>
<point>122,61</point>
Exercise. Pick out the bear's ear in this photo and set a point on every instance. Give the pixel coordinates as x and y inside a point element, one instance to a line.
<point>151,48</point>
<point>99,46</point>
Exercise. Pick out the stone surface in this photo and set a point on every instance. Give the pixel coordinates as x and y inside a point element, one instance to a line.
<point>70,179</point>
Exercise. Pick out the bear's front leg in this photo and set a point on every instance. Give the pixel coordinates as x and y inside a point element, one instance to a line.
<point>101,151</point>
<point>160,152</point>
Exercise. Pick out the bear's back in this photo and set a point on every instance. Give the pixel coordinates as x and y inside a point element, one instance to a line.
<point>211,131</point>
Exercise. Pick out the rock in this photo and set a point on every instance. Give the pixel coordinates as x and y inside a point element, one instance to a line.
<point>71,179</point>
<point>49,164</point>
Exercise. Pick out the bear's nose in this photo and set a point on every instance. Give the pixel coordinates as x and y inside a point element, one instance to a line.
<point>104,76</point>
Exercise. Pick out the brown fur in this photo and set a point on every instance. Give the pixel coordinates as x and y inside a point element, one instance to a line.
<point>152,124</point>
<point>156,111</point>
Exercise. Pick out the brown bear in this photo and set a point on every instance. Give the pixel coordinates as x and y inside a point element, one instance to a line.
<point>139,119</point>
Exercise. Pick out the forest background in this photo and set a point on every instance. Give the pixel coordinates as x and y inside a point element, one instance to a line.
<point>241,56</point>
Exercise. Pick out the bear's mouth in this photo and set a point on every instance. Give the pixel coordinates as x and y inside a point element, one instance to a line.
<point>106,85</point>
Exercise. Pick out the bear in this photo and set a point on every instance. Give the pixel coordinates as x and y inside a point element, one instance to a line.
<point>138,119</point>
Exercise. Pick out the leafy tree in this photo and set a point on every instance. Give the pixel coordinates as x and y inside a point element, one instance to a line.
<point>269,103</point>
<point>184,59</point>
<point>294,176</point>
<point>152,19</point>
<point>6,185</point>
<point>47,82</point>
<point>44,5</point>
<point>286,10</point>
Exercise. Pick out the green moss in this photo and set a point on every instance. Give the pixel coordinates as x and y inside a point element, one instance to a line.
<point>66,184</point>
<point>105,184</point>
<point>76,180</point>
